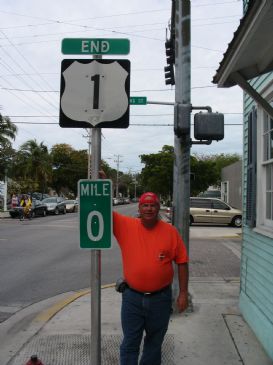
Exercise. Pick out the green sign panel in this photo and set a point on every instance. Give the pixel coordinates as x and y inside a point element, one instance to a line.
<point>138,100</point>
<point>101,46</point>
<point>95,213</point>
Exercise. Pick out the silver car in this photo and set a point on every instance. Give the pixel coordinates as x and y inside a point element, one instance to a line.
<point>212,210</point>
<point>55,205</point>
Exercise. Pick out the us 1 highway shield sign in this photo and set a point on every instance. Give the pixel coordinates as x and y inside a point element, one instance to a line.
<point>95,93</point>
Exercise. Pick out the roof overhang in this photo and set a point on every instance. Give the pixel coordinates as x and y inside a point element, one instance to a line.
<point>250,52</point>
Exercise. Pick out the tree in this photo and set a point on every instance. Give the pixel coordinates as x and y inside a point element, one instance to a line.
<point>32,166</point>
<point>157,175</point>
<point>8,132</point>
<point>69,166</point>
<point>203,174</point>
<point>222,160</point>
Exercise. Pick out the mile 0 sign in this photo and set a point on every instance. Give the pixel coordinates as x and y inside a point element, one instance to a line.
<point>95,93</point>
<point>95,213</point>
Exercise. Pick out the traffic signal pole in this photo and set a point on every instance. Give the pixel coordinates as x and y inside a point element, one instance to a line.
<point>182,141</point>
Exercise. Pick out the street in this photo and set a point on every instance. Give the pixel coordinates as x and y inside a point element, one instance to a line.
<point>41,258</point>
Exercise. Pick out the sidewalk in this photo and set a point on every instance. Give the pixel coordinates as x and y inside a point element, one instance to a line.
<point>213,333</point>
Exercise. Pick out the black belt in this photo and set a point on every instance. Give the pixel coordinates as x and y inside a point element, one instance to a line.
<point>151,293</point>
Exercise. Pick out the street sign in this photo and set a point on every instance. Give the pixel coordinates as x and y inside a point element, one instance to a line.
<point>95,93</point>
<point>138,100</point>
<point>102,46</point>
<point>95,213</point>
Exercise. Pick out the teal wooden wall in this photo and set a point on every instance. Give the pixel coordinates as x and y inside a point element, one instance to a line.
<point>256,294</point>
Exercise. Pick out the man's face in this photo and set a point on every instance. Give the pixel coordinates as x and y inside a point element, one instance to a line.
<point>149,213</point>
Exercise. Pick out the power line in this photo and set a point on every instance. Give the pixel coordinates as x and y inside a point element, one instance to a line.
<point>133,115</point>
<point>134,124</point>
<point>135,91</point>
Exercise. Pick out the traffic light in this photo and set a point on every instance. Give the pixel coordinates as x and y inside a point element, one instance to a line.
<point>169,70</point>
<point>169,75</point>
<point>169,46</point>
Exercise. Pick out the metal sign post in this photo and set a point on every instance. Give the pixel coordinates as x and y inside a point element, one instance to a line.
<point>95,355</point>
<point>106,83</point>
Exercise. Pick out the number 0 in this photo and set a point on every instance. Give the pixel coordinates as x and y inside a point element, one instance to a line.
<point>95,213</point>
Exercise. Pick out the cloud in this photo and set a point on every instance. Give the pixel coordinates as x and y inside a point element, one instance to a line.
<point>30,59</point>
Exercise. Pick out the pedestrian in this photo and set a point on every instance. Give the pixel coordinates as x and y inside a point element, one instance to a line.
<point>149,247</point>
<point>22,205</point>
<point>14,201</point>
<point>28,206</point>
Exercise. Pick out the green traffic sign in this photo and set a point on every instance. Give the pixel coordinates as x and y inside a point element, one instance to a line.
<point>95,213</point>
<point>102,46</point>
<point>138,100</point>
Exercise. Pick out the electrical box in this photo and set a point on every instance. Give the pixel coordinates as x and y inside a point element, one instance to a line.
<point>209,126</point>
<point>182,119</point>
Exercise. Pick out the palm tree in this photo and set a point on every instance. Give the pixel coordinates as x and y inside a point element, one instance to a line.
<point>34,164</point>
<point>8,131</point>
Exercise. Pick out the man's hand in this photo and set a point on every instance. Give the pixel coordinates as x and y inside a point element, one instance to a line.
<point>182,301</point>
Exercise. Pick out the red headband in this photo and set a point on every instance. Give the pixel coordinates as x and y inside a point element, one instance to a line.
<point>148,198</point>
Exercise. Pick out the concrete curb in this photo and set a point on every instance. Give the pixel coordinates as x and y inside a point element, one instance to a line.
<point>49,313</point>
<point>23,325</point>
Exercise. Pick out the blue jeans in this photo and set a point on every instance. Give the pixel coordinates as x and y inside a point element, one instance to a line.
<point>141,313</point>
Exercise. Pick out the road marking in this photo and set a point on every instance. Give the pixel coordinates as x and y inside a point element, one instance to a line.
<point>49,313</point>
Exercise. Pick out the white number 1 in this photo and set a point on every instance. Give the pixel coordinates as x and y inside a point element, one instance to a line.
<point>95,213</point>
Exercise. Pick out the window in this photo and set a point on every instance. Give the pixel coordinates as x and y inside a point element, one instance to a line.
<point>268,166</point>
<point>219,205</point>
<point>200,203</point>
<point>251,169</point>
<point>225,191</point>
<point>265,173</point>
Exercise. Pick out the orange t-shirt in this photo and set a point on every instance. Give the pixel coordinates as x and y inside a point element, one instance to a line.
<point>147,254</point>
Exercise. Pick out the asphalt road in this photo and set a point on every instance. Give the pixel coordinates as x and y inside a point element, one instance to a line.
<point>41,258</point>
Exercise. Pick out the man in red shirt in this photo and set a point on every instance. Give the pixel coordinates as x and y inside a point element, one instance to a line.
<point>149,247</point>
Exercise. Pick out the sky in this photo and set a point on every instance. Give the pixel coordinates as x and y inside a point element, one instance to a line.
<point>31,33</point>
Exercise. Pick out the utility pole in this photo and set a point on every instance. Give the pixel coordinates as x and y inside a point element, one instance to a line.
<point>182,141</point>
<point>117,180</point>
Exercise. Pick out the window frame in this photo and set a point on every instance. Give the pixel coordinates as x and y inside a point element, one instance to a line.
<point>264,225</point>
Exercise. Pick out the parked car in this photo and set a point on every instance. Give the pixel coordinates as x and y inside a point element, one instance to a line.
<point>39,196</point>
<point>71,206</point>
<point>213,210</point>
<point>115,201</point>
<point>55,205</point>
<point>169,212</point>
<point>37,209</point>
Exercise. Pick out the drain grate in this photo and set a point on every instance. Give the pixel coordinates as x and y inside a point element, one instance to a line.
<point>75,349</point>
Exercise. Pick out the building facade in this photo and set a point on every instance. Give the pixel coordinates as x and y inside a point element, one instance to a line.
<point>231,184</point>
<point>248,62</point>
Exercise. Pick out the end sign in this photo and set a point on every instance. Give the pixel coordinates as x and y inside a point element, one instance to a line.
<point>95,217</point>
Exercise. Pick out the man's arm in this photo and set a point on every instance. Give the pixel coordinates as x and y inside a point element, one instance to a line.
<point>183,278</point>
